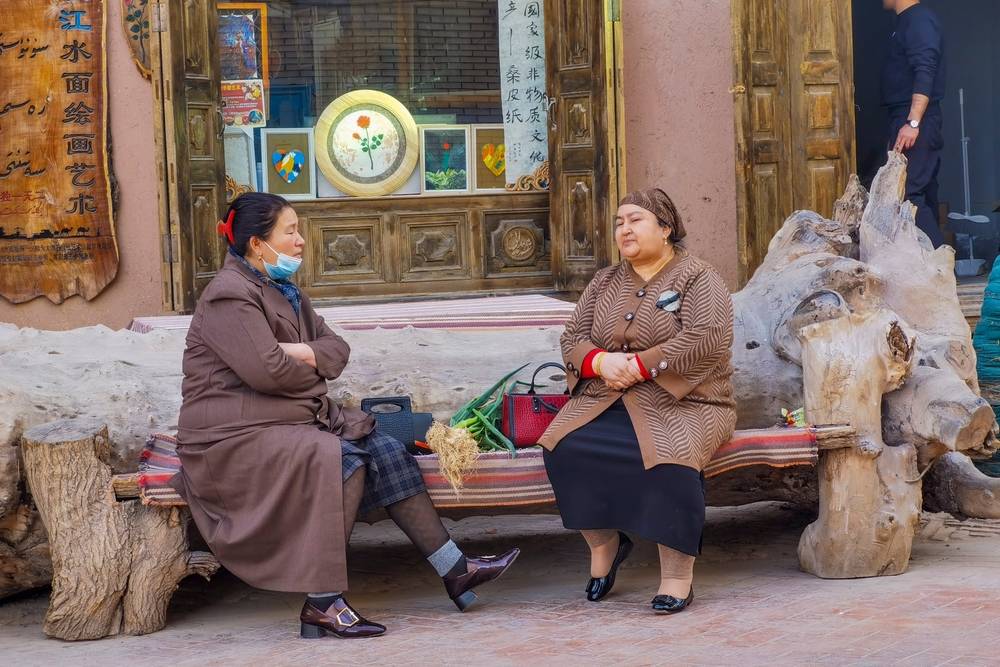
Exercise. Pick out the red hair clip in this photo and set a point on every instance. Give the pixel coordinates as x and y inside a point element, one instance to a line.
<point>226,228</point>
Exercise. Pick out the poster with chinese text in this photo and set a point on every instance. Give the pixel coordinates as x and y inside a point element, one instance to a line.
<point>522,86</point>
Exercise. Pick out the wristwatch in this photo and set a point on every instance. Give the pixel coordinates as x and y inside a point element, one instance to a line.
<point>914,123</point>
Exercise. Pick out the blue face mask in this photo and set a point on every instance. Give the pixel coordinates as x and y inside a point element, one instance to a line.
<point>285,268</point>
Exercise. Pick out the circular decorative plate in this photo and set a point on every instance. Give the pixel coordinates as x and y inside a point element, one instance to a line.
<point>366,143</point>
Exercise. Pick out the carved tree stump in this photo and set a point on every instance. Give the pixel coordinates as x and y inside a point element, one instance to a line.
<point>115,566</point>
<point>869,507</point>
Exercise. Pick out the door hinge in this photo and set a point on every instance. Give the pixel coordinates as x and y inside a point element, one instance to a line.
<point>157,24</point>
<point>614,10</point>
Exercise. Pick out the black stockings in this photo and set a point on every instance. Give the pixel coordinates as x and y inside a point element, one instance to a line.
<point>417,518</point>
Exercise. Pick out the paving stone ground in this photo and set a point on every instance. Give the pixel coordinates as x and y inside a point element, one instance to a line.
<point>752,607</point>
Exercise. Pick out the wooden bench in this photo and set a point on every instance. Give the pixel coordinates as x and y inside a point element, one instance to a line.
<point>119,551</point>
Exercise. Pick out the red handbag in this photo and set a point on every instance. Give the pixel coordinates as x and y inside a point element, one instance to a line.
<point>526,416</point>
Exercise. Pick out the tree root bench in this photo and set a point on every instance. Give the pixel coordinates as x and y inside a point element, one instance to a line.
<point>120,544</point>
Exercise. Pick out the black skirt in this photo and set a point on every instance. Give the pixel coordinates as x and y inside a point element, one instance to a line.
<point>600,483</point>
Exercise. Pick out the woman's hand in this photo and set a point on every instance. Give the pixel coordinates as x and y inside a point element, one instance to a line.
<point>300,352</point>
<point>620,371</point>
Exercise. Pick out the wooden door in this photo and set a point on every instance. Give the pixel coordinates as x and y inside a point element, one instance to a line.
<point>794,95</point>
<point>583,82</point>
<point>189,142</point>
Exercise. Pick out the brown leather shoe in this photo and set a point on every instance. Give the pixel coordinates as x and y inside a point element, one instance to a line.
<point>339,619</point>
<point>480,570</point>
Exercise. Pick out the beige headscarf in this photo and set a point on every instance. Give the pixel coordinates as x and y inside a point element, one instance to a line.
<point>657,202</point>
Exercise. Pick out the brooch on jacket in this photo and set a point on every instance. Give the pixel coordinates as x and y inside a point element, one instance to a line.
<point>668,301</point>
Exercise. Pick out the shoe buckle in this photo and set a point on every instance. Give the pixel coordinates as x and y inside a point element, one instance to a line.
<point>354,620</point>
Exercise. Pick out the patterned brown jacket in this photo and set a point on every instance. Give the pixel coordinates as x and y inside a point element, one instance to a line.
<point>686,411</point>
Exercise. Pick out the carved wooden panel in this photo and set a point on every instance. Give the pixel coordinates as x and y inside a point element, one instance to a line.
<point>208,247</point>
<point>577,27</point>
<point>822,106</point>
<point>576,122</point>
<point>434,246</point>
<point>824,186</point>
<point>186,65</point>
<point>582,128</point>
<point>201,131</point>
<point>579,192</point>
<point>763,112</point>
<point>197,39</point>
<point>794,113</point>
<point>346,249</point>
<point>517,242</point>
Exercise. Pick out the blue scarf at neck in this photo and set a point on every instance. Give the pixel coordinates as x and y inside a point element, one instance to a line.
<point>287,289</point>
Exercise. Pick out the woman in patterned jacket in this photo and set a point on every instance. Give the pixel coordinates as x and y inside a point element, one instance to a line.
<point>648,362</point>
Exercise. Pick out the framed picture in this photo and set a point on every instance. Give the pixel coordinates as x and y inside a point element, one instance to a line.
<point>241,162</point>
<point>242,41</point>
<point>444,168</point>
<point>490,159</point>
<point>290,106</point>
<point>288,163</point>
<point>367,143</point>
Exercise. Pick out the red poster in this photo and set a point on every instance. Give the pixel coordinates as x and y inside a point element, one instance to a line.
<point>243,103</point>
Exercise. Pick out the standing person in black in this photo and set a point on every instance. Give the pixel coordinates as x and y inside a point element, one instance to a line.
<point>912,89</point>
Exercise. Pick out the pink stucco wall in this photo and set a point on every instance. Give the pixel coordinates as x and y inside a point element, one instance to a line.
<point>680,117</point>
<point>136,290</point>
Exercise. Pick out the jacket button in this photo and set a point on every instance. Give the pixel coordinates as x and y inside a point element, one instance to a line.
<point>629,317</point>
<point>641,293</point>
<point>570,366</point>
<point>654,372</point>
<point>625,347</point>
<point>663,365</point>
<point>576,372</point>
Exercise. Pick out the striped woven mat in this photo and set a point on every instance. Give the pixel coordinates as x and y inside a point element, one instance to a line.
<point>502,481</point>
<point>530,310</point>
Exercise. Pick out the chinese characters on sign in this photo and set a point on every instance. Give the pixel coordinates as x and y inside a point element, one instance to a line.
<point>56,229</point>
<point>522,86</point>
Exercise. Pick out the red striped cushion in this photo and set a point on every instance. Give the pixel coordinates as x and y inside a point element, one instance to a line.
<point>502,481</point>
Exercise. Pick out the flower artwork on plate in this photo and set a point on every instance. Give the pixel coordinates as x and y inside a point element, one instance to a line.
<point>367,143</point>
<point>445,166</point>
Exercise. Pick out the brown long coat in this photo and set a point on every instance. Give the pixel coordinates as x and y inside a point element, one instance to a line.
<point>259,439</point>
<point>687,410</point>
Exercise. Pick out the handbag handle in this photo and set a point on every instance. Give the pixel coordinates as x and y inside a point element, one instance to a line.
<point>534,375</point>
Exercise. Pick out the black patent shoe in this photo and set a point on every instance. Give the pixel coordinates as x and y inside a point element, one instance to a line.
<point>339,620</point>
<point>668,604</point>
<point>598,587</point>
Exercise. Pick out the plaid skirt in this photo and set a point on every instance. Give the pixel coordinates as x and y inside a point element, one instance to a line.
<point>391,474</point>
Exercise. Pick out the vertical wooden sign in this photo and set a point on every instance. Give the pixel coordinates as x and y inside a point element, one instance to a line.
<point>57,235</point>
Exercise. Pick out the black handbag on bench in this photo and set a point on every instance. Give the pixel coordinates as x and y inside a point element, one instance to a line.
<point>394,417</point>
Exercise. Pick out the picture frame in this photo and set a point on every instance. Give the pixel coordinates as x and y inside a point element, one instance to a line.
<point>241,161</point>
<point>288,162</point>
<point>367,143</point>
<point>290,105</point>
<point>444,159</point>
<point>489,174</point>
<point>242,41</point>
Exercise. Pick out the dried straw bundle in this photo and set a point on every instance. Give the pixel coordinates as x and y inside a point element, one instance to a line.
<point>457,452</point>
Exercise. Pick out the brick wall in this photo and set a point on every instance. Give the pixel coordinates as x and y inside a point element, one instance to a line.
<point>436,56</point>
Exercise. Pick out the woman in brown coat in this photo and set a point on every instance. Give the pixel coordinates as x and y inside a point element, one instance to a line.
<point>275,473</point>
<point>647,353</point>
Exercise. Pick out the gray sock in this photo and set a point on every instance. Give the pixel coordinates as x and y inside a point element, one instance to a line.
<point>445,558</point>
